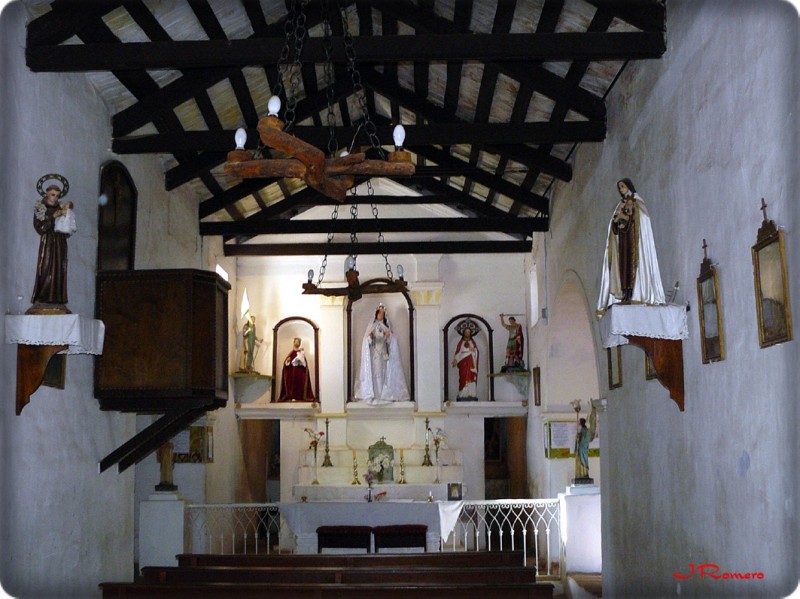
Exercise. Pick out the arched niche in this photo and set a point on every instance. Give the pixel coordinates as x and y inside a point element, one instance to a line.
<point>392,298</point>
<point>116,219</point>
<point>283,334</point>
<point>486,362</point>
<point>572,371</point>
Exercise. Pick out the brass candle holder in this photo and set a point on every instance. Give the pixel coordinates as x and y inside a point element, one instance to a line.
<point>326,462</point>
<point>402,479</point>
<point>355,471</point>
<point>426,461</point>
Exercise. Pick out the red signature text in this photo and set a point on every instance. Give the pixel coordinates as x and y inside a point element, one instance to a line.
<point>713,571</point>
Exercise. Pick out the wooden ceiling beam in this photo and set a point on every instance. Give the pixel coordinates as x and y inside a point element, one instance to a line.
<point>447,134</point>
<point>524,154</point>
<point>388,247</point>
<point>194,54</point>
<point>509,224</point>
<point>487,179</point>
<point>65,20</point>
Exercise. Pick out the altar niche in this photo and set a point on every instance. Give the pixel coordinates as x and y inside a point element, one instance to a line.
<point>285,348</point>
<point>484,340</point>
<point>401,318</point>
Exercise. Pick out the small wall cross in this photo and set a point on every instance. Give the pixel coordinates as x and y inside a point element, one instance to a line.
<point>764,208</point>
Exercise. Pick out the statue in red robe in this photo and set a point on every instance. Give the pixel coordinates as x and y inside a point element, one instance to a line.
<point>296,379</point>
<point>466,360</point>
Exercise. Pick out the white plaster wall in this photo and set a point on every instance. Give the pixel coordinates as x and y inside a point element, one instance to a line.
<point>704,133</point>
<point>65,527</point>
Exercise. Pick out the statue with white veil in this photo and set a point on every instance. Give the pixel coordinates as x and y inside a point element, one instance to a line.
<point>381,379</point>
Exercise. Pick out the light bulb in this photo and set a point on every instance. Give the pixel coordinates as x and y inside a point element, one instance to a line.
<point>351,263</point>
<point>274,106</point>
<point>344,153</point>
<point>240,138</point>
<point>399,135</point>
<point>400,271</point>
<point>103,199</point>
<point>310,274</point>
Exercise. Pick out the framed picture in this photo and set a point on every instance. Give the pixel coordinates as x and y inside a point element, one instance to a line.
<point>650,372</point>
<point>712,339</point>
<point>560,437</point>
<point>614,355</point>
<point>537,386</point>
<point>454,492</point>
<point>771,285</point>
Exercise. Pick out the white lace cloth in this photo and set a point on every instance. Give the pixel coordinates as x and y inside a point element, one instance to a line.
<point>660,322</point>
<point>83,335</point>
<point>304,518</point>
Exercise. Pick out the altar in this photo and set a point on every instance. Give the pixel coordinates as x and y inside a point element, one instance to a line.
<point>304,518</point>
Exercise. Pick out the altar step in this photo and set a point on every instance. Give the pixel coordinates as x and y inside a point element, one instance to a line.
<point>581,586</point>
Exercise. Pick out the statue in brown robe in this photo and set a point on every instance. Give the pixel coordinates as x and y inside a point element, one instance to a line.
<point>51,266</point>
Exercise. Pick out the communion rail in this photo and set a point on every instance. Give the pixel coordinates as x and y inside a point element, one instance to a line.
<point>501,525</point>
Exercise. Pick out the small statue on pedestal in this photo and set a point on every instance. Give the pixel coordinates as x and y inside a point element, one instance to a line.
<point>584,436</point>
<point>166,460</point>
<point>54,221</point>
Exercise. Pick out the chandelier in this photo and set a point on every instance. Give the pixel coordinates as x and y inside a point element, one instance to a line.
<point>331,174</point>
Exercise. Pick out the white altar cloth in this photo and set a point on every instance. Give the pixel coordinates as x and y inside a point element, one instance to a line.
<point>83,335</point>
<point>639,320</point>
<point>303,518</point>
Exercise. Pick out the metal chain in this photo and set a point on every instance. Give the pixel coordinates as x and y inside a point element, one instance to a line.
<point>354,217</point>
<point>358,87</point>
<point>300,33</point>
<point>327,44</point>
<point>324,265</point>
<point>381,240</point>
<point>288,29</point>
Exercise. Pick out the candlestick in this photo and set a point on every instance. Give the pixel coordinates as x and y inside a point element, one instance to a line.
<point>355,470</point>
<point>426,461</point>
<point>402,479</point>
<point>326,463</point>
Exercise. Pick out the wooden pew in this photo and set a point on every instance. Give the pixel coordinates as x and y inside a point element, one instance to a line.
<point>355,575</point>
<point>446,559</point>
<point>220,590</point>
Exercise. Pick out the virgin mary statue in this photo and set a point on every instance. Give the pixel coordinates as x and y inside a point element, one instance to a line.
<point>380,374</point>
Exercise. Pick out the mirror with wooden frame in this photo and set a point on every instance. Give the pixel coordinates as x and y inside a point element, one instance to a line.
<point>712,337</point>
<point>771,285</point>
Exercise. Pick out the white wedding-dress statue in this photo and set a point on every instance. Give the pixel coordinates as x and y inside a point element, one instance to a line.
<point>380,375</point>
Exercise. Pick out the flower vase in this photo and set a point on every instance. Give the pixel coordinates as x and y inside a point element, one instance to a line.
<point>369,493</point>
<point>436,480</point>
<point>315,481</point>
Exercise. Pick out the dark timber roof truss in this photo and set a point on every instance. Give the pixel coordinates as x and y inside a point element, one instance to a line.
<point>494,96</point>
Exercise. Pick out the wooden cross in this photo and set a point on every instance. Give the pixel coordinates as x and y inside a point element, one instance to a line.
<point>764,208</point>
<point>705,253</point>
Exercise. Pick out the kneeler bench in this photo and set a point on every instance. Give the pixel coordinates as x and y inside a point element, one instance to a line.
<point>400,535</point>
<point>351,537</point>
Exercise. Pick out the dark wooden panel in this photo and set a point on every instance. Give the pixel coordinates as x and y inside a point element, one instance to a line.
<point>166,336</point>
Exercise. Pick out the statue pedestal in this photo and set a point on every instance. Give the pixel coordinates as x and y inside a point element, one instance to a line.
<point>161,522</point>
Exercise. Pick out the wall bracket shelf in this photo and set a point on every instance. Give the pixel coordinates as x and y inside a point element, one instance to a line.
<point>41,336</point>
<point>658,331</point>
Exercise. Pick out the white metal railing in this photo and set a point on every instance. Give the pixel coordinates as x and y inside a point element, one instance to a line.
<point>530,525</point>
<point>232,528</point>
